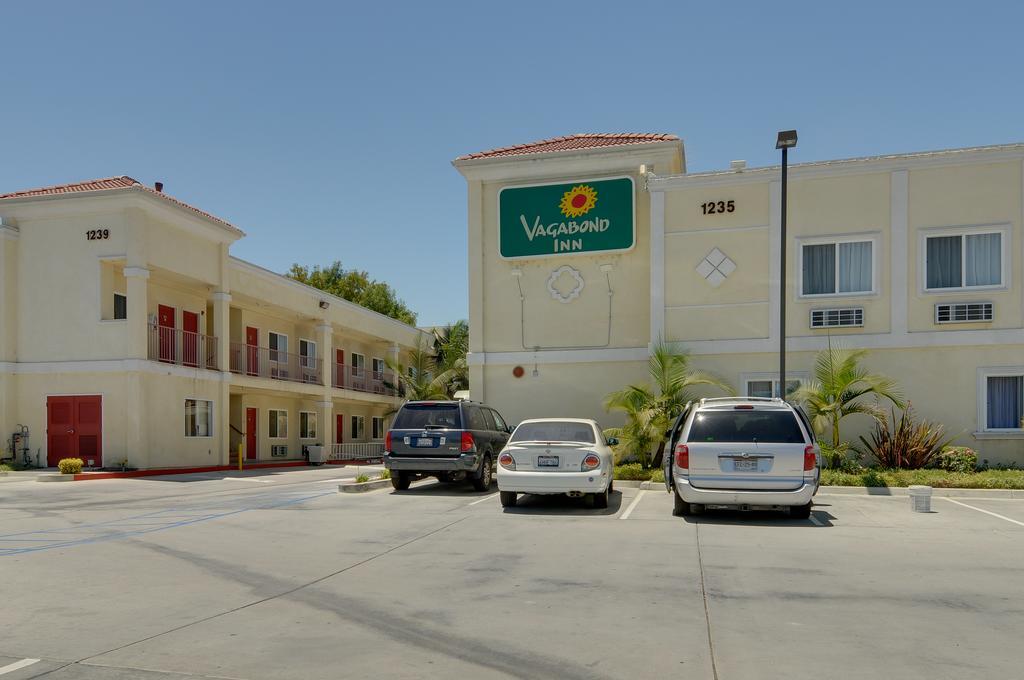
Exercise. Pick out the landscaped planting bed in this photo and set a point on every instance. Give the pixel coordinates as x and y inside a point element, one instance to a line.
<point>986,479</point>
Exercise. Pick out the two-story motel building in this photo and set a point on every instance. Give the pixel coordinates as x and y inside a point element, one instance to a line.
<point>131,334</point>
<point>586,250</point>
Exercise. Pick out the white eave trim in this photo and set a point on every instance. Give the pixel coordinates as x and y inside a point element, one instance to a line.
<point>554,164</point>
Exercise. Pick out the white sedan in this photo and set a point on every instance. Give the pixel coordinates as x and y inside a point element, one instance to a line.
<point>556,456</point>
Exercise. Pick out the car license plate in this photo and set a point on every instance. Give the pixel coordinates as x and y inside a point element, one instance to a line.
<point>424,442</point>
<point>547,461</point>
<point>744,465</point>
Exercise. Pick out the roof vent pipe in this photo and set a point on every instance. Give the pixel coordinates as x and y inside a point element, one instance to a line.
<point>159,186</point>
<point>738,166</point>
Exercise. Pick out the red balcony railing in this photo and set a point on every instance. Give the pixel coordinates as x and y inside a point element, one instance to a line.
<point>184,348</point>
<point>263,362</point>
<point>363,380</point>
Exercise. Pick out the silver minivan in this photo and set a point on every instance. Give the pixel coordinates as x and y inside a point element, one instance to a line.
<point>748,453</point>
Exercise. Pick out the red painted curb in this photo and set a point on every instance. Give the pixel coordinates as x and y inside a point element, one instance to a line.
<point>157,472</point>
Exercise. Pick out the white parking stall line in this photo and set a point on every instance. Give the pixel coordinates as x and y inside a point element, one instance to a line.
<point>481,500</point>
<point>248,479</point>
<point>11,667</point>
<point>629,510</point>
<point>987,512</point>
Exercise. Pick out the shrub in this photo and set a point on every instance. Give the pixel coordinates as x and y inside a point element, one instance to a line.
<point>4,467</point>
<point>903,443</point>
<point>362,478</point>
<point>633,472</point>
<point>840,457</point>
<point>658,476</point>
<point>70,466</point>
<point>385,474</point>
<point>958,459</point>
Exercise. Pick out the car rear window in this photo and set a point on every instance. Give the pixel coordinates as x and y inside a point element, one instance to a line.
<point>554,431</point>
<point>770,427</point>
<point>419,416</point>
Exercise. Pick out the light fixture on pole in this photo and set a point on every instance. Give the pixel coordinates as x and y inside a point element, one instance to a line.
<point>785,141</point>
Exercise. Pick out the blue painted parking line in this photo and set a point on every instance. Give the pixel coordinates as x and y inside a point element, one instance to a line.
<point>53,539</point>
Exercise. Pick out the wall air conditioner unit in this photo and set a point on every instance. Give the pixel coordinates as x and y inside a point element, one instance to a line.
<point>279,450</point>
<point>841,317</point>
<point>963,312</point>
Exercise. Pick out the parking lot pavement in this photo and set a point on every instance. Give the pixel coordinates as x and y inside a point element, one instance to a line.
<point>289,579</point>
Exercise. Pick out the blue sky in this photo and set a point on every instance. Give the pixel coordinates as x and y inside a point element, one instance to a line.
<point>326,130</point>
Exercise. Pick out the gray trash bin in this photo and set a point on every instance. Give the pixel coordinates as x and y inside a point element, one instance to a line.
<point>317,455</point>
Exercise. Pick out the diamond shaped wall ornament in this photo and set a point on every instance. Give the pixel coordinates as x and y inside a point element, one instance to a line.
<point>565,284</point>
<point>716,267</point>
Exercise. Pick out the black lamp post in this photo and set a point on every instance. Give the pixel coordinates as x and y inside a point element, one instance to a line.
<point>785,141</point>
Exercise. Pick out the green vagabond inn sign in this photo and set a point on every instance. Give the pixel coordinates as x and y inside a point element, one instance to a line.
<point>574,218</point>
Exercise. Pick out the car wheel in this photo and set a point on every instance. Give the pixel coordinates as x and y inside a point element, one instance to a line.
<point>800,511</point>
<point>601,499</point>
<point>680,508</point>
<point>508,499</point>
<point>611,487</point>
<point>400,480</point>
<point>482,480</point>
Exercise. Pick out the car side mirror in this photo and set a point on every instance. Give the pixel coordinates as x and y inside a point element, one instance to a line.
<point>509,429</point>
<point>612,441</point>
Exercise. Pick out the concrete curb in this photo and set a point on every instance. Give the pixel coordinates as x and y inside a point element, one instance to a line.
<point>636,484</point>
<point>353,487</point>
<point>55,477</point>
<point>936,492</point>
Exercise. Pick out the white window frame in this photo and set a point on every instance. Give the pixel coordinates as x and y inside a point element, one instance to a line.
<point>803,377</point>
<point>357,428</point>
<point>310,417</point>
<point>271,352</point>
<point>984,374</point>
<point>210,428</point>
<point>872,237</point>
<point>963,231</point>
<point>378,375</point>
<point>358,363</point>
<point>272,418</point>
<point>377,425</point>
<point>304,359</point>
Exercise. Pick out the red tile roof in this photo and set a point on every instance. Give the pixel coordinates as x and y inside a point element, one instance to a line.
<point>107,184</point>
<point>572,143</point>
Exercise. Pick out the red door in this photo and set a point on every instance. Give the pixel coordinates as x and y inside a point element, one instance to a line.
<point>339,428</point>
<point>250,433</point>
<point>190,338</point>
<point>168,346</point>
<point>252,341</point>
<point>74,429</point>
<point>339,370</point>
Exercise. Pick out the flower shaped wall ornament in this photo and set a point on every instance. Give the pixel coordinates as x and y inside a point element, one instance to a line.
<point>715,267</point>
<point>565,284</point>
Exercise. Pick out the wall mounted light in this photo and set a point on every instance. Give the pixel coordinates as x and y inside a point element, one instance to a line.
<point>324,304</point>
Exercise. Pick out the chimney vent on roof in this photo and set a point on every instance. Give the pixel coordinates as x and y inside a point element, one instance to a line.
<point>159,186</point>
<point>738,166</point>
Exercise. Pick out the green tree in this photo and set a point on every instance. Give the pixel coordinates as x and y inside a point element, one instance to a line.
<point>451,345</point>
<point>840,388</point>
<point>355,286</point>
<point>422,377</point>
<point>651,409</point>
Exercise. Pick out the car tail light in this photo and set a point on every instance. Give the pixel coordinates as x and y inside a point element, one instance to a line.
<point>591,461</point>
<point>387,442</point>
<point>682,456</point>
<point>468,443</point>
<point>744,407</point>
<point>810,460</point>
<point>506,461</point>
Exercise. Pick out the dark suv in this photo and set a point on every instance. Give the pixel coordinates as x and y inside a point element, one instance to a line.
<point>450,440</point>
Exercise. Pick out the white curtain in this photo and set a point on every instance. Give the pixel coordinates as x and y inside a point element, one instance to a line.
<point>1005,401</point>
<point>819,269</point>
<point>855,267</point>
<point>943,262</point>
<point>984,260</point>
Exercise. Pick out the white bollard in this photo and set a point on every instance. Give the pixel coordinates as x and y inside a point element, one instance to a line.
<point>920,498</point>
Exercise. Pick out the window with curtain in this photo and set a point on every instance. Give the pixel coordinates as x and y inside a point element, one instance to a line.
<point>278,424</point>
<point>964,260</point>
<point>307,424</point>
<point>837,268</point>
<point>198,418</point>
<point>1005,402</point>
<point>358,430</point>
<point>770,388</point>
<point>278,347</point>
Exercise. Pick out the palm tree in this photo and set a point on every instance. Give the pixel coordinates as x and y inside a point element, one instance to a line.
<point>838,390</point>
<point>451,344</point>
<point>423,378</point>
<point>650,411</point>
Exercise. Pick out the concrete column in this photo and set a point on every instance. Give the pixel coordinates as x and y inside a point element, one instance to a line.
<point>324,425</point>
<point>137,283</point>
<point>222,331</point>
<point>325,343</point>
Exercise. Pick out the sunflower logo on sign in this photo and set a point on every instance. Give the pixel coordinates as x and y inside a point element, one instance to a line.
<point>578,201</point>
